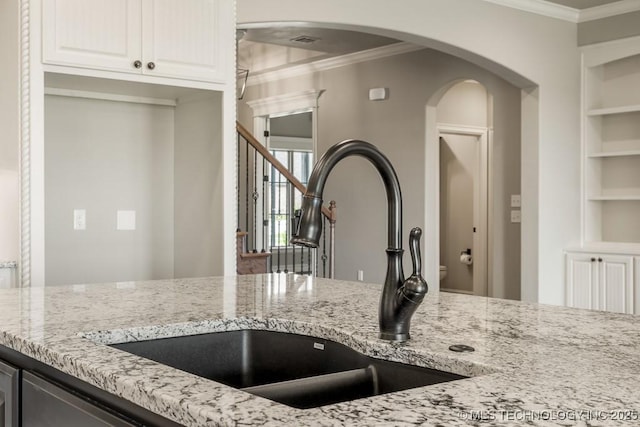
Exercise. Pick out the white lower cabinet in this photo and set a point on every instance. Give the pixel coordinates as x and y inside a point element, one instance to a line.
<point>600,282</point>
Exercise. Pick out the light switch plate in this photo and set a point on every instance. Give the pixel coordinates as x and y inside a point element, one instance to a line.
<point>126,220</point>
<point>516,216</point>
<point>516,201</point>
<point>79,219</point>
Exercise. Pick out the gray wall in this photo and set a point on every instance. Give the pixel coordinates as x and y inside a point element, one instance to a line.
<point>105,156</point>
<point>198,188</point>
<point>294,125</point>
<point>9,130</point>
<point>397,127</point>
<point>611,28</point>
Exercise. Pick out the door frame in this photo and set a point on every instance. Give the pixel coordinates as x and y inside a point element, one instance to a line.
<point>483,193</point>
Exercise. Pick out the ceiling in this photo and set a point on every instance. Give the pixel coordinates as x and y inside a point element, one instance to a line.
<point>283,45</point>
<point>330,41</point>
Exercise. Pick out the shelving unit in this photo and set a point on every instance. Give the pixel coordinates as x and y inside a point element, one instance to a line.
<point>611,143</point>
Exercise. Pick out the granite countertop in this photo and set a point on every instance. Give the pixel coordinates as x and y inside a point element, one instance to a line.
<point>533,364</point>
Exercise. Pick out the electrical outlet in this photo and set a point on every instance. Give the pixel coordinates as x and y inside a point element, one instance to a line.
<point>516,201</point>
<point>360,275</point>
<point>79,219</point>
<point>516,216</point>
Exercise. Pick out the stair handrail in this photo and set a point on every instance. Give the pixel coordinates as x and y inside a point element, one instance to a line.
<point>330,214</point>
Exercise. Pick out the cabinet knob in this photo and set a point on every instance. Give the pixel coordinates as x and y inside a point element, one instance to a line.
<point>599,259</point>
<point>151,65</point>
<point>137,63</point>
<point>593,259</point>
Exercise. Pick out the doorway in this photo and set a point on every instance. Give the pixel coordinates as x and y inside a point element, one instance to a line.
<point>464,189</point>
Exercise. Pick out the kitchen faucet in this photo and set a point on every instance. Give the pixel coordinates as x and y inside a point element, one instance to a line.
<point>400,298</point>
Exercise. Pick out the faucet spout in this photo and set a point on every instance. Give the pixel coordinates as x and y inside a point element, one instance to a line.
<point>399,299</point>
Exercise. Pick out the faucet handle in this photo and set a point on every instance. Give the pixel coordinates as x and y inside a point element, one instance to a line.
<point>414,247</point>
<point>416,283</point>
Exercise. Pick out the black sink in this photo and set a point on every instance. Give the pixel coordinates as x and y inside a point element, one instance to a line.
<point>299,371</point>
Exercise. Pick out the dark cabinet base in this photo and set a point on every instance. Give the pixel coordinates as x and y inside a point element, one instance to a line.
<point>9,395</point>
<point>48,397</point>
<point>46,404</point>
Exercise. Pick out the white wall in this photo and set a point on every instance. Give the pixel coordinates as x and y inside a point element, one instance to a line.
<point>610,28</point>
<point>10,126</point>
<point>104,156</point>
<point>534,52</point>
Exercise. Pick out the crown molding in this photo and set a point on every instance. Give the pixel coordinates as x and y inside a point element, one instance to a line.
<point>296,101</point>
<point>329,63</point>
<point>608,10</point>
<point>542,7</point>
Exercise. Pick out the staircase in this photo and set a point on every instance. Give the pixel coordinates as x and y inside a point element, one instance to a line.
<point>268,196</point>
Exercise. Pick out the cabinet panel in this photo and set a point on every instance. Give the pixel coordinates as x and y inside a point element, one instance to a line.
<point>186,41</point>
<point>616,284</point>
<point>93,33</point>
<point>44,403</point>
<point>581,281</point>
<point>9,398</point>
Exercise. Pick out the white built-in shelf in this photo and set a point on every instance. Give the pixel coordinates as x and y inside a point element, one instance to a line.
<point>614,110</point>
<point>615,153</point>
<point>615,198</point>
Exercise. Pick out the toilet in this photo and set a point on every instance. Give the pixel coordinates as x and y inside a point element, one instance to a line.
<point>443,272</point>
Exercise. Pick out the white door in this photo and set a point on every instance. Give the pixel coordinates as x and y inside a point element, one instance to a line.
<point>616,283</point>
<point>186,39</point>
<point>582,281</point>
<point>462,219</point>
<point>102,34</point>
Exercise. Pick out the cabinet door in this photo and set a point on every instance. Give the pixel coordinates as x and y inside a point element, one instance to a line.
<point>102,34</point>
<point>45,404</point>
<point>187,40</point>
<point>582,281</point>
<point>616,284</point>
<point>8,395</point>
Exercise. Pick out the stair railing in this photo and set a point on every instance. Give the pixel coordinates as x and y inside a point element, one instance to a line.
<point>267,192</point>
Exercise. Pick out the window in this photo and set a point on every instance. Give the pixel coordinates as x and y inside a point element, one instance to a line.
<point>284,199</point>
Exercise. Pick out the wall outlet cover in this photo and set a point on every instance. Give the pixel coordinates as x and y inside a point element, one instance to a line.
<point>516,201</point>
<point>126,220</point>
<point>378,94</point>
<point>516,216</point>
<point>79,219</point>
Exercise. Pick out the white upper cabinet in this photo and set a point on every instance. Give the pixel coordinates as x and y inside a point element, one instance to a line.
<point>181,38</point>
<point>103,34</point>
<point>165,38</point>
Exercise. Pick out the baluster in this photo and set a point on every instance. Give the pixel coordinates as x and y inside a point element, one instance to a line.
<point>332,239</point>
<point>238,185</point>
<point>324,247</point>
<point>255,196</point>
<point>278,245</point>
<point>246,190</point>
<point>265,218</point>
<point>286,225</point>
<point>293,248</point>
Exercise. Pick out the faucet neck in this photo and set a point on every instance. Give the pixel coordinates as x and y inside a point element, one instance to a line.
<point>364,149</point>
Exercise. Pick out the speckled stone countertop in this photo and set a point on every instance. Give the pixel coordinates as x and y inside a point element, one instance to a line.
<point>533,364</point>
